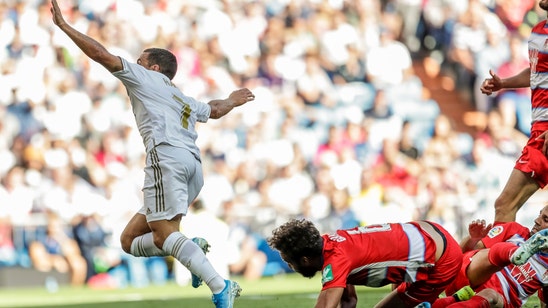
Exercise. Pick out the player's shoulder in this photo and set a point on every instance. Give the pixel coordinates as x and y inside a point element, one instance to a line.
<point>540,27</point>
<point>507,228</point>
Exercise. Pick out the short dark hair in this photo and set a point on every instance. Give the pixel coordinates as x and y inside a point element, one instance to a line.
<point>165,59</point>
<point>297,238</point>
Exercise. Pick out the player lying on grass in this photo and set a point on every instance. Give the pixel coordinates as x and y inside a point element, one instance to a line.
<point>420,257</point>
<point>489,272</point>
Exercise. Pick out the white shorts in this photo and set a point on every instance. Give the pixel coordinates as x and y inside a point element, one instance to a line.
<point>173,179</point>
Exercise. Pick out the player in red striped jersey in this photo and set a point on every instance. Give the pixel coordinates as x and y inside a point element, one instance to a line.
<point>531,169</point>
<point>420,257</point>
<point>490,272</point>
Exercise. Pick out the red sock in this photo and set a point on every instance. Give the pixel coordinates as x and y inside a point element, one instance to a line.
<point>444,302</point>
<point>499,253</point>
<point>475,301</point>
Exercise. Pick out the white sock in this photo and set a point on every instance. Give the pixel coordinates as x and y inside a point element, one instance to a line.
<point>143,246</point>
<point>193,258</point>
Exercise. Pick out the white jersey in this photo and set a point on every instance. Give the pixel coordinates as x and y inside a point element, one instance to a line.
<point>162,112</point>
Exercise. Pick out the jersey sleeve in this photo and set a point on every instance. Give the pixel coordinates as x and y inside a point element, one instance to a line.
<point>202,110</point>
<point>508,232</point>
<point>131,74</point>
<point>336,268</point>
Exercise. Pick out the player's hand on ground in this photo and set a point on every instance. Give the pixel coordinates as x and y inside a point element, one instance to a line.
<point>56,13</point>
<point>490,85</point>
<point>544,138</point>
<point>478,228</point>
<point>241,96</point>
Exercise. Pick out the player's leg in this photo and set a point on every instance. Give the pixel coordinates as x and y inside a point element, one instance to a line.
<point>519,187</point>
<point>173,179</point>
<point>486,262</point>
<point>137,239</point>
<point>536,243</point>
<point>204,246</point>
<point>193,258</point>
<point>486,298</point>
<point>481,267</point>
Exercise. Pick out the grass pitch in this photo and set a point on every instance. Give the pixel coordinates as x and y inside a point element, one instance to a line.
<point>283,291</point>
<point>273,292</point>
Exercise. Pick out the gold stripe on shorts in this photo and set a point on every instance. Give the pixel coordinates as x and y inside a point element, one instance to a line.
<point>158,184</point>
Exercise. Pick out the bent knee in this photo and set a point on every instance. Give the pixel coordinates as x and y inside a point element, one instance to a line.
<point>126,241</point>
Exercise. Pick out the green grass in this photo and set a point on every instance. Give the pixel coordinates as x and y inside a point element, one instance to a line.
<point>284,291</point>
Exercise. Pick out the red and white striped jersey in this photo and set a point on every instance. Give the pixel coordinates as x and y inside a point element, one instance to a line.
<point>516,283</point>
<point>377,255</point>
<point>538,62</point>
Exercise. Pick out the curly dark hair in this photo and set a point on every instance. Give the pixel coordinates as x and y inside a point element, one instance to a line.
<point>297,238</point>
<point>165,59</point>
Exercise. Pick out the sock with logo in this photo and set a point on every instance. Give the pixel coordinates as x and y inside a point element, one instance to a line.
<point>143,246</point>
<point>193,258</point>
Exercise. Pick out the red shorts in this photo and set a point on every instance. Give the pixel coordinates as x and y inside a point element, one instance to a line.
<point>532,160</point>
<point>440,276</point>
<point>462,279</point>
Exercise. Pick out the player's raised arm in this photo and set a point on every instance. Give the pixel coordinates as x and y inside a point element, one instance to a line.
<point>93,49</point>
<point>220,107</point>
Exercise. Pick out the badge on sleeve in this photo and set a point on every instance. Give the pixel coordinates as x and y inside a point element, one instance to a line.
<point>327,274</point>
<point>496,230</point>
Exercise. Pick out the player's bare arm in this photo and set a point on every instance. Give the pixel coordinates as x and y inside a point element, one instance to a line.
<point>330,298</point>
<point>477,230</point>
<point>495,83</point>
<point>220,107</point>
<point>93,49</point>
<point>349,298</point>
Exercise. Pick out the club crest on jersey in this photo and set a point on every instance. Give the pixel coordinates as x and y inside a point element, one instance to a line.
<point>327,274</point>
<point>496,230</point>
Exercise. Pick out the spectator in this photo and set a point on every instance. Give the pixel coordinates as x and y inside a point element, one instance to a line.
<point>91,237</point>
<point>59,251</point>
<point>16,197</point>
<point>8,253</point>
<point>247,260</point>
<point>389,63</point>
<point>341,215</point>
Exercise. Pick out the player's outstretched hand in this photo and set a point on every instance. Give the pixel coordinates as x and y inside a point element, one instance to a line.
<point>490,85</point>
<point>478,229</point>
<point>241,96</point>
<point>56,13</point>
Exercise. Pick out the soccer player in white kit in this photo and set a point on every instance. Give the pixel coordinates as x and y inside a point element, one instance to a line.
<point>166,120</point>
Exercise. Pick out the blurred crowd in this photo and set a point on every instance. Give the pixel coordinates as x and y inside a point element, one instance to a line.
<point>342,131</point>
